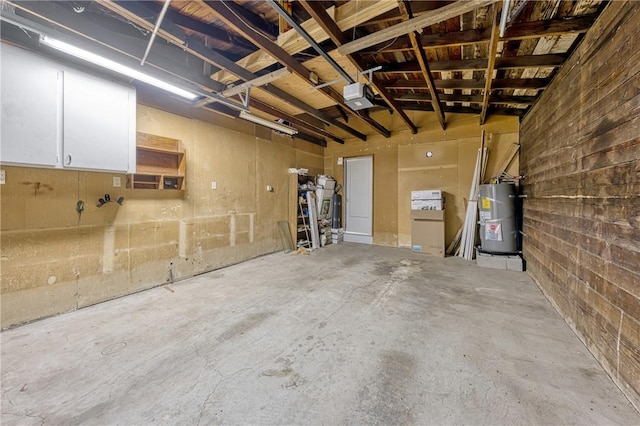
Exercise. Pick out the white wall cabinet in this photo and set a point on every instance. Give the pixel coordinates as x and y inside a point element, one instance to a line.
<point>31,97</point>
<point>97,115</point>
<point>54,116</point>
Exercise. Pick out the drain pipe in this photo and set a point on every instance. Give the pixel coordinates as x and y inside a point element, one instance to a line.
<point>155,30</point>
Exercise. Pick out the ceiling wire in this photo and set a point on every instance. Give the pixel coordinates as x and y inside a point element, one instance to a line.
<point>385,47</point>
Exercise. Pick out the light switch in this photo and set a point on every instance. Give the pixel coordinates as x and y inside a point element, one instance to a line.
<point>116,182</point>
<point>214,185</point>
<point>2,177</point>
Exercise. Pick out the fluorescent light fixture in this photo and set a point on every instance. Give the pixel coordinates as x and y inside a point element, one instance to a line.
<point>114,66</point>
<point>267,123</point>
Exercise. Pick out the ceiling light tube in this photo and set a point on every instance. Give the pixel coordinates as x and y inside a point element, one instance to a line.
<point>114,66</point>
<point>267,123</point>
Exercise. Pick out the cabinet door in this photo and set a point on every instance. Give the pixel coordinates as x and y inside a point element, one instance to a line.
<point>97,120</point>
<point>31,107</point>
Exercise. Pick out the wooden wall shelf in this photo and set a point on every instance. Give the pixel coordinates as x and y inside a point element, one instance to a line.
<point>160,163</point>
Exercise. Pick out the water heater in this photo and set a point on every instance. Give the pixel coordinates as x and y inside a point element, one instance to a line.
<point>496,204</point>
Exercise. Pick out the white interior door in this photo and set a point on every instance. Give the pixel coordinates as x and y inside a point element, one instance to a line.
<point>358,200</point>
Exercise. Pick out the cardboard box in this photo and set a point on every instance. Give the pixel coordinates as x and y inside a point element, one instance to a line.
<point>427,232</point>
<point>427,194</point>
<point>426,204</point>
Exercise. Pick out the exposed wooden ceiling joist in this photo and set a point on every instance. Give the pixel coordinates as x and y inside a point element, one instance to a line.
<point>501,83</point>
<point>405,10</point>
<point>445,74</point>
<point>261,106</point>
<point>220,37</point>
<point>519,31</point>
<point>233,18</point>
<point>475,99</point>
<point>493,51</point>
<point>416,24</point>
<point>197,48</point>
<point>331,28</point>
<point>346,16</point>
<point>509,62</point>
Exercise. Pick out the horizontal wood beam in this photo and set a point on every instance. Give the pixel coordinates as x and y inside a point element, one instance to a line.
<point>256,22</point>
<point>261,106</point>
<point>394,16</point>
<point>474,99</point>
<point>466,110</point>
<point>225,13</point>
<point>346,16</point>
<point>491,62</point>
<point>193,46</point>
<point>320,15</point>
<point>405,10</point>
<point>509,62</point>
<point>519,31</point>
<point>216,34</point>
<point>311,139</point>
<point>416,24</point>
<point>500,83</point>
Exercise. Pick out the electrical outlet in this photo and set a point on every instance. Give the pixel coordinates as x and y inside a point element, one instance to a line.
<point>116,182</point>
<point>2,177</point>
<point>269,188</point>
<point>214,185</point>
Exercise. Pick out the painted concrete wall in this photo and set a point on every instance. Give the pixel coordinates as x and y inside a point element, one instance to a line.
<point>401,166</point>
<point>54,260</point>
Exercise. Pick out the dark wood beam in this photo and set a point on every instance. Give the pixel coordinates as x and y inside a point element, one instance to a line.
<point>311,139</point>
<point>509,62</point>
<point>418,23</point>
<point>474,99</point>
<point>217,35</point>
<point>320,15</point>
<point>466,110</point>
<point>501,83</point>
<point>195,47</point>
<point>519,31</point>
<point>394,16</point>
<point>405,11</point>
<point>225,13</point>
<point>96,33</point>
<point>250,19</point>
<point>342,113</point>
<point>261,106</point>
<point>492,52</point>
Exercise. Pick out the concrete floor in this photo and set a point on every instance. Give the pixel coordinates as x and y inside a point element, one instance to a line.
<point>351,334</point>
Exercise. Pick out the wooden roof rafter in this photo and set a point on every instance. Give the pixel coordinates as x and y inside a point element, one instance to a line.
<point>518,31</point>
<point>347,16</point>
<point>233,18</point>
<point>217,35</point>
<point>172,33</point>
<point>491,61</point>
<point>331,28</point>
<point>418,49</point>
<point>415,24</point>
